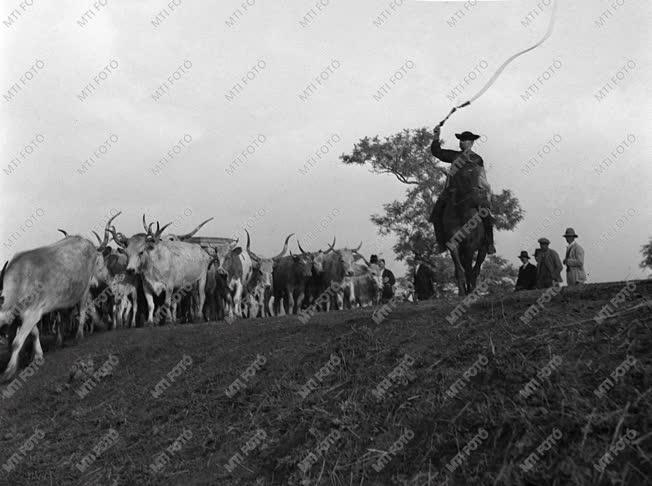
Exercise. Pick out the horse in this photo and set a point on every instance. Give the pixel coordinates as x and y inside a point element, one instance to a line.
<point>464,230</point>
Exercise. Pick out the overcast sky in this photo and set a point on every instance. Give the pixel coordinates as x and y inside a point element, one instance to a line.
<point>52,54</point>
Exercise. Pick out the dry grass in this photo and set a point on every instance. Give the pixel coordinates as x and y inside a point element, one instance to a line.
<point>343,402</point>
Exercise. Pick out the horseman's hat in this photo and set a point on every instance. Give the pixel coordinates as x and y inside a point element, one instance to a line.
<point>545,241</point>
<point>570,232</point>
<point>467,136</point>
<point>524,255</point>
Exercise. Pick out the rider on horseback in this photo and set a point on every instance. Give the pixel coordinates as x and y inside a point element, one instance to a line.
<point>458,159</point>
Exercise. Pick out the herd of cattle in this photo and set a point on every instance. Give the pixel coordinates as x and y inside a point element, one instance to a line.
<point>151,278</point>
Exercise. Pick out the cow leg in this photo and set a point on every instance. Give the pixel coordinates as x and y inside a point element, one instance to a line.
<point>289,308</point>
<point>134,307</point>
<point>237,298</point>
<point>116,317</point>
<point>299,301</point>
<point>59,331</point>
<point>150,308</point>
<point>29,320</point>
<point>171,305</point>
<point>202,298</point>
<point>38,351</point>
<point>83,308</point>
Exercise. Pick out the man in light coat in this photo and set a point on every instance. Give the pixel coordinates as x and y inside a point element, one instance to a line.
<point>574,260</point>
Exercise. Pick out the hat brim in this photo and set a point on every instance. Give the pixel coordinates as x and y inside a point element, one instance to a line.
<point>472,137</point>
<point>574,236</point>
<point>524,256</point>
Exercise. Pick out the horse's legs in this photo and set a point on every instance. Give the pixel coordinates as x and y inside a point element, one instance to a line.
<point>459,269</point>
<point>482,253</point>
<point>467,263</point>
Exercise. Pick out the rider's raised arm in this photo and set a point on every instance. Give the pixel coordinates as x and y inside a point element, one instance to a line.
<point>444,155</point>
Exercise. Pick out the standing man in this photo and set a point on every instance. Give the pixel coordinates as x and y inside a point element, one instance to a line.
<point>388,281</point>
<point>574,260</point>
<point>458,159</point>
<point>550,267</point>
<point>527,274</point>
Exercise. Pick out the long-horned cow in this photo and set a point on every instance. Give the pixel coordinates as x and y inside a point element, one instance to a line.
<point>123,286</point>
<point>46,279</point>
<point>234,264</point>
<point>166,266</point>
<point>338,264</point>
<point>291,277</point>
<point>261,282</point>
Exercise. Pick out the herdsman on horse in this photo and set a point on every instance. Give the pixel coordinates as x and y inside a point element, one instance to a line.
<point>462,216</point>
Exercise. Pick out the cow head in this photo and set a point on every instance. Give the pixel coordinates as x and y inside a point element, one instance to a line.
<point>101,271</point>
<point>224,256</point>
<point>377,275</point>
<point>139,245</point>
<point>265,266</point>
<point>317,257</point>
<point>303,263</point>
<point>347,256</point>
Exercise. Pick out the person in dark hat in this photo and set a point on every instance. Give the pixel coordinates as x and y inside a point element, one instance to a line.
<point>527,273</point>
<point>458,159</point>
<point>388,282</point>
<point>373,259</point>
<point>574,260</point>
<point>550,267</point>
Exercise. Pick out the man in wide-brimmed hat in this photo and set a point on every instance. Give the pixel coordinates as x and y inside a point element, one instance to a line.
<point>527,273</point>
<point>574,260</point>
<point>458,159</point>
<point>550,267</point>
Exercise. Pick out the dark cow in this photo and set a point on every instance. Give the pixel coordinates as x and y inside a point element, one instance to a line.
<point>289,281</point>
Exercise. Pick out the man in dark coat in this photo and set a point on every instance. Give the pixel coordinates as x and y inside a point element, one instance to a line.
<point>458,159</point>
<point>424,279</point>
<point>527,273</point>
<point>388,281</point>
<point>550,267</point>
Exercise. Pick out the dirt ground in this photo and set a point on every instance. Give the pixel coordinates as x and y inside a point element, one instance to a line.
<point>345,400</point>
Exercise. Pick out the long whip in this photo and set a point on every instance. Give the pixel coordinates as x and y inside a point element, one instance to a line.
<point>504,65</point>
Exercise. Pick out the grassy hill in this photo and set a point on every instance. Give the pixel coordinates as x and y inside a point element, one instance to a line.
<point>406,435</point>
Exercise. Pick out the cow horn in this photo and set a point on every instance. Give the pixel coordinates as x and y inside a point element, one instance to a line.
<point>65,233</point>
<point>117,237</point>
<point>107,228</point>
<point>189,235</point>
<point>145,225</point>
<point>358,248</point>
<point>99,240</point>
<point>248,240</point>
<point>331,247</point>
<point>285,247</point>
<point>159,230</point>
<point>363,259</point>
